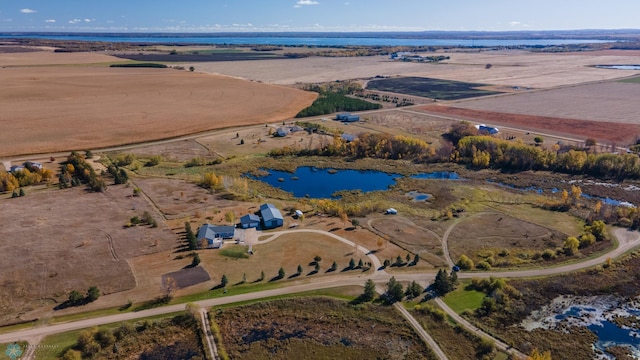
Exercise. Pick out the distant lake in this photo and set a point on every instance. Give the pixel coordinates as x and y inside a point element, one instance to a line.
<point>283,39</point>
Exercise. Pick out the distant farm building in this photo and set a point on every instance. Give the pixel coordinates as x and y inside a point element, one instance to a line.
<point>282,132</point>
<point>271,216</point>
<point>299,214</point>
<point>391,211</point>
<point>347,117</point>
<point>32,165</point>
<point>215,235</point>
<point>249,221</point>
<point>487,129</point>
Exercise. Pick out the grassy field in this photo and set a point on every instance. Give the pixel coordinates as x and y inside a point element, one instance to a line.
<point>462,299</point>
<point>325,327</point>
<point>633,80</point>
<point>430,88</point>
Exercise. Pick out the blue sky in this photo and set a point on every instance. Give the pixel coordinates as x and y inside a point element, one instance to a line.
<point>315,15</point>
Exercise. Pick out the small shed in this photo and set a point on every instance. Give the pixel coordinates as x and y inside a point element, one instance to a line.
<point>249,221</point>
<point>299,214</point>
<point>271,216</point>
<point>391,211</point>
<point>282,132</point>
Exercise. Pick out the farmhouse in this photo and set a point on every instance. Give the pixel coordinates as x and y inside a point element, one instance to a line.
<point>215,235</point>
<point>271,216</point>
<point>249,221</point>
<point>30,165</point>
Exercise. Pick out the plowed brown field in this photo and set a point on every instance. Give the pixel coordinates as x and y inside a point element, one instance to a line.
<point>603,132</point>
<point>47,108</point>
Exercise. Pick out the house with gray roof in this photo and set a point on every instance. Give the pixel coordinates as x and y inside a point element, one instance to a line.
<point>215,235</point>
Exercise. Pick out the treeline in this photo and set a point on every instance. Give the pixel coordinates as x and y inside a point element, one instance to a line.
<point>368,145</point>
<point>30,175</point>
<point>333,99</point>
<point>489,152</point>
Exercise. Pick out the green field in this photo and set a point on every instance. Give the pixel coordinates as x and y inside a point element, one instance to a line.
<point>460,299</point>
<point>430,88</point>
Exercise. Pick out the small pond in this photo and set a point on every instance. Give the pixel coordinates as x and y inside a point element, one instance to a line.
<point>619,67</point>
<point>607,201</point>
<point>317,183</point>
<point>608,333</point>
<point>418,196</point>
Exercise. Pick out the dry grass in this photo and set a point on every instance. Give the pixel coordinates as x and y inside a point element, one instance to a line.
<point>48,238</point>
<point>288,251</point>
<point>608,101</point>
<point>510,68</point>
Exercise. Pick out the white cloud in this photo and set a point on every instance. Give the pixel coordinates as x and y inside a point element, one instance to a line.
<point>75,21</point>
<point>514,23</point>
<point>88,20</point>
<point>27,11</point>
<point>50,20</point>
<point>302,3</point>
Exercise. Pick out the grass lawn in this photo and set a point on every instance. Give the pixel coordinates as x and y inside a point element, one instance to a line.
<point>461,299</point>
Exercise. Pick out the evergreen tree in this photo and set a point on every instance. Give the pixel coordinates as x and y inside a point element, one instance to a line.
<point>196,260</point>
<point>416,259</point>
<point>369,291</point>
<point>413,290</point>
<point>299,269</point>
<point>395,291</point>
<point>334,266</point>
<point>352,263</point>
<point>224,280</point>
<point>442,283</point>
<point>281,273</point>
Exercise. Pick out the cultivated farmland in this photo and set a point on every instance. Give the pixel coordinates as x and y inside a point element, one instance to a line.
<point>55,108</point>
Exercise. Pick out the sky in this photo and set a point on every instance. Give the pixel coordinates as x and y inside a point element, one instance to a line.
<point>315,15</point>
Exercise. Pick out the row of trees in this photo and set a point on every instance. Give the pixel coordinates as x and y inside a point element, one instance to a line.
<point>490,152</point>
<point>30,175</point>
<point>368,145</point>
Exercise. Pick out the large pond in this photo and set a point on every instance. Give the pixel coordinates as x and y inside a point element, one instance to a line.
<point>320,183</point>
